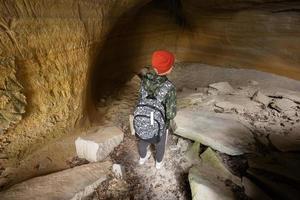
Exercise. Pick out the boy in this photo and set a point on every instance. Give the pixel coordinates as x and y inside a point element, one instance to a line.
<point>157,106</point>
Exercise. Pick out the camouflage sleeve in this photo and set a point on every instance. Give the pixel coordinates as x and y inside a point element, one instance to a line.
<point>171,102</point>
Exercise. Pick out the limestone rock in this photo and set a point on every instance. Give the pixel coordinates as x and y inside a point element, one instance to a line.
<point>218,131</point>
<point>283,93</point>
<point>75,183</point>
<point>227,106</point>
<point>289,94</point>
<point>237,103</point>
<point>283,105</point>
<point>222,87</point>
<point>97,145</point>
<point>211,180</point>
<point>261,98</point>
<point>183,144</point>
<point>192,154</point>
<point>118,170</point>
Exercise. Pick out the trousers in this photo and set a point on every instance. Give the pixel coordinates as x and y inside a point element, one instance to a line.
<point>159,147</point>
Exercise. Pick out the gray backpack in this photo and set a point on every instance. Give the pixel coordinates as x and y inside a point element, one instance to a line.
<point>149,116</point>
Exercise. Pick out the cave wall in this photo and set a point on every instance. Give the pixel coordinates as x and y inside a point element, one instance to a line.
<point>50,50</point>
<point>262,35</point>
<point>46,52</point>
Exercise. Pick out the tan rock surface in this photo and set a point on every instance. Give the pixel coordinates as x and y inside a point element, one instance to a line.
<point>74,183</point>
<point>53,46</point>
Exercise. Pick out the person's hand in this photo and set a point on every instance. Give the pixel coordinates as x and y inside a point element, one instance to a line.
<point>143,71</point>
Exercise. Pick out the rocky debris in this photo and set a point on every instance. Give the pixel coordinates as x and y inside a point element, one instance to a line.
<point>261,98</point>
<point>75,161</point>
<point>182,144</point>
<point>192,156</point>
<point>283,93</point>
<point>118,170</point>
<point>75,183</point>
<point>218,131</point>
<point>272,119</point>
<point>99,143</point>
<point>113,188</point>
<point>145,181</point>
<point>221,87</point>
<point>226,106</point>
<point>211,180</point>
<point>283,105</point>
<point>237,104</point>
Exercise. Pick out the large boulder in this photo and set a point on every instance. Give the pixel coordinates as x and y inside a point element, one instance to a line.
<point>211,180</point>
<point>74,183</point>
<point>219,131</point>
<point>99,143</point>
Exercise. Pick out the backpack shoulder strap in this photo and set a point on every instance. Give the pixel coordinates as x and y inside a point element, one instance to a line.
<point>163,91</point>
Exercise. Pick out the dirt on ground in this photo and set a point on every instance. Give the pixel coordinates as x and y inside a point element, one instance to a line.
<point>145,181</point>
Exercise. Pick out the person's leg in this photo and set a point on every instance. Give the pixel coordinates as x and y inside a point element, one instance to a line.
<point>143,151</point>
<point>160,147</point>
<point>143,146</point>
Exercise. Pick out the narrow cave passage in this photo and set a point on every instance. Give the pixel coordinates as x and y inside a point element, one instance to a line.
<point>127,47</point>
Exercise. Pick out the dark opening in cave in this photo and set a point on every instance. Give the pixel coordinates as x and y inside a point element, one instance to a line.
<point>123,52</point>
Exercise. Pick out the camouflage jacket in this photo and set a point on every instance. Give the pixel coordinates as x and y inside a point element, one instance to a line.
<point>151,82</point>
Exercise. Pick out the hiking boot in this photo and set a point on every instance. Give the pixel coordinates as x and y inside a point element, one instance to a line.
<point>158,165</point>
<point>143,160</point>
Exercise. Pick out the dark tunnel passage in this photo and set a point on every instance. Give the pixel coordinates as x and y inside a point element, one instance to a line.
<point>126,48</point>
<point>116,62</point>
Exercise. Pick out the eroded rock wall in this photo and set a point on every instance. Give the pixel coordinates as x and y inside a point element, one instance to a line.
<point>262,35</point>
<point>52,45</point>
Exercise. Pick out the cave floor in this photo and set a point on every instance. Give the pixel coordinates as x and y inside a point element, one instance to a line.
<point>171,182</point>
<point>145,181</point>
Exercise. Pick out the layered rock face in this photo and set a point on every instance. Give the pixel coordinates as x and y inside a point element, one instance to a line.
<point>57,51</point>
<point>46,54</point>
<point>261,35</point>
